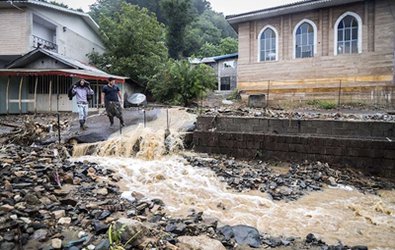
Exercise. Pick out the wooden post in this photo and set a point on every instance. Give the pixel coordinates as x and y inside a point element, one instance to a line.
<point>20,95</point>
<point>57,94</point>
<point>268,91</point>
<point>50,95</point>
<point>7,98</point>
<point>340,92</point>
<point>97,95</point>
<point>35,95</point>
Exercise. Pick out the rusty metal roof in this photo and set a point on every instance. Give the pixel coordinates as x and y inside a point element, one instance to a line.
<point>78,73</point>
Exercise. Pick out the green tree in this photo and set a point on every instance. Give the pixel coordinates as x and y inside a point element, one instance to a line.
<point>181,83</point>
<point>178,15</point>
<point>134,41</point>
<point>107,8</point>
<point>151,5</point>
<point>227,45</point>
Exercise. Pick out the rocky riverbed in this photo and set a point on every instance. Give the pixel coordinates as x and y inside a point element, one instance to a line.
<point>289,182</point>
<point>49,200</point>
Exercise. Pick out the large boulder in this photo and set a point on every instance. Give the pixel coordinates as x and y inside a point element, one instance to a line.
<point>200,242</point>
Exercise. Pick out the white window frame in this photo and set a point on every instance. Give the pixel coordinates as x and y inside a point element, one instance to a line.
<point>359,20</point>
<point>259,42</point>
<point>315,37</point>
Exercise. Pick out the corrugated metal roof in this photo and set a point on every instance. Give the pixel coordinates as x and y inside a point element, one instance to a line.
<point>234,55</point>
<point>86,74</point>
<point>32,55</point>
<point>295,7</point>
<point>76,67</point>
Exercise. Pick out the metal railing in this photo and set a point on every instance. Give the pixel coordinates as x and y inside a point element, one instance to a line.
<point>39,42</point>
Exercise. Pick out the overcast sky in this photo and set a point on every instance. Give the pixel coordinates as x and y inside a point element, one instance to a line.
<point>227,7</point>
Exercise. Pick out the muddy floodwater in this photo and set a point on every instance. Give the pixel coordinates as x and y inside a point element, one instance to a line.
<point>334,214</point>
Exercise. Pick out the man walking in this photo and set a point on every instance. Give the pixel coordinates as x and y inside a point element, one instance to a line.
<point>82,90</point>
<point>111,96</point>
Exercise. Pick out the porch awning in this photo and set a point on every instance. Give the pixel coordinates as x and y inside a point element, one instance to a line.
<point>76,73</point>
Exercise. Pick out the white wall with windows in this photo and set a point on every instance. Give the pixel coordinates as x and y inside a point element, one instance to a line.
<point>74,38</point>
<point>347,38</point>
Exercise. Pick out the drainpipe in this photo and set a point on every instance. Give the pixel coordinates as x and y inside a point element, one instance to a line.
<point>13,5</point>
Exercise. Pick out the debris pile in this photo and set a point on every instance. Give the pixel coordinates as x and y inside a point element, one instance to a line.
<point>299,115</point>
<point>29,129</point>
<point>299,179</point>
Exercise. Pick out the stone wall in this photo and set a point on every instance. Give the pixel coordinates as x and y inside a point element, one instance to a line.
<point>367,146</point>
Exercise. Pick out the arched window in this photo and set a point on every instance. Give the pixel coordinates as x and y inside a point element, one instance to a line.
<point>305,39</point>
<point>348,34</point>
<point>268,44</point>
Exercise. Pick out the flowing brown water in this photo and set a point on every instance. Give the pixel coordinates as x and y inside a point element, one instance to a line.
<point>341,214</point>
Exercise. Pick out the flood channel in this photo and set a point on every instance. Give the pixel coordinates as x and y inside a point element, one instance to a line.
<point>335,214</point>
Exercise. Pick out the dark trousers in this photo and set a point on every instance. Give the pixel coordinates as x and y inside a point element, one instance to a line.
<point>114,109</point>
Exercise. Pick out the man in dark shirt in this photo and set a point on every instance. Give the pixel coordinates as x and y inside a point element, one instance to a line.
<point>111,96</point>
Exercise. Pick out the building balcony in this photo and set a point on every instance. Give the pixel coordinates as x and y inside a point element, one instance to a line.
<point>39,42</point>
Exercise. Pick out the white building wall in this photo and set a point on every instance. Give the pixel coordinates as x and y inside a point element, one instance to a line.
<point>14,32</point>
<point>74,37</point>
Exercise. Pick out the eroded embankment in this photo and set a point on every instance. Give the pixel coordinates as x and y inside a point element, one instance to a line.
<point>368,146</point>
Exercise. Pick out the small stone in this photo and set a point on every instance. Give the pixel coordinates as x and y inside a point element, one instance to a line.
<point>26,220</point>
<point>40,234</point>
<point>68,178</point>
<point>59,214</point>
<point>64,221</point>
<point>104,215</point>
<point>9,236</point>
<point>137,195</point>
<point>109,220</point>
<point>332,181</point>
<point>6,208</point>
<point>17,198</point>
<point>359,248</point>
<point>7,186</point>
<point>82,234</point>
<point>91,247</point>
<point>14,217</point>
<point>7,246</point>
<point>99,227</point>
<point>76,181</point>
<point>56,243</point>
<point>131,213</point>
<point>103,245</point>
<point>45,200</point>
<point>101,191</point>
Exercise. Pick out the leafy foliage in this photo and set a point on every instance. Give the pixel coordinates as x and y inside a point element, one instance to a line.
<point>115,237</point>
<point>227,45</point>
<point>107,8</point>
<point>134,41</point>
<point>322,104</point>
<point>180,83</point>
<point>190,24</point>
<point>178,15</point>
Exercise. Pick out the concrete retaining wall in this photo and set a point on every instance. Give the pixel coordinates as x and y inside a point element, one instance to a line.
<point>362,145</point>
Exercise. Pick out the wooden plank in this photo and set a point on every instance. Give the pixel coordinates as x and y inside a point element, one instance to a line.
<point>50,95</point>
<point>7,98</point>
<point>35,95</point>
<point>22,100</point>
<point>20,95</point>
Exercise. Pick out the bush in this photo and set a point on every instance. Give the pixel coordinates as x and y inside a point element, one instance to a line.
<point>180,83</point>
<point>234,95</point>
<point>322,104</point>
